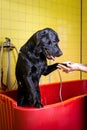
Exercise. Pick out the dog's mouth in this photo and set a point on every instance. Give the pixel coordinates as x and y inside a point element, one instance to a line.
<point>48,55</point>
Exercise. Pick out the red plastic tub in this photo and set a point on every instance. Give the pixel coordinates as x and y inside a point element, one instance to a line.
<point>69,114</point>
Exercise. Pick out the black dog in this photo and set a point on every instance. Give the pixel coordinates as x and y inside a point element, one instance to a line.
<point>31,64</point>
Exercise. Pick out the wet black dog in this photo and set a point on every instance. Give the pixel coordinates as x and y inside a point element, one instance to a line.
<point>32,63</point>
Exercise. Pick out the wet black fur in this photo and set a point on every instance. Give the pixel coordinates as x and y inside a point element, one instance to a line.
<point>32,63</point>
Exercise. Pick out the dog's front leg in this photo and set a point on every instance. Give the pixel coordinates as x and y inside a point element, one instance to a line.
<point>31,88</point>
<point>50,69</point>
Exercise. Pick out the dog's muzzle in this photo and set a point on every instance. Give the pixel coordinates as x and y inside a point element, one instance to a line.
<point>58,53</point>
<point>52,56</point>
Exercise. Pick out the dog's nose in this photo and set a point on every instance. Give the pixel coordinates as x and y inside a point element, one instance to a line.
<point>59,53</point>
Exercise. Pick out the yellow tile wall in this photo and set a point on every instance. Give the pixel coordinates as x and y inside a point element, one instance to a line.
<point>20,19</point>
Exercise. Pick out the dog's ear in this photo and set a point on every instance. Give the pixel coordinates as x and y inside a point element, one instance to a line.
<point>36,38</point>
<point>39,35</point>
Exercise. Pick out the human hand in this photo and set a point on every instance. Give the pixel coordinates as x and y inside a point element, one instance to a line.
<point>68,66</point>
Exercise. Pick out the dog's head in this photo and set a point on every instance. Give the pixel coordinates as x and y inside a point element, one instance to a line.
<point>48,40</point>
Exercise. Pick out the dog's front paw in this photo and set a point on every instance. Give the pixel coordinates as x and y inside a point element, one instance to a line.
<point>38,105</point>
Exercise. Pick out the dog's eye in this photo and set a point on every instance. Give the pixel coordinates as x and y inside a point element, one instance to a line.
<point>49,42</point>
<point>54,41</point>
